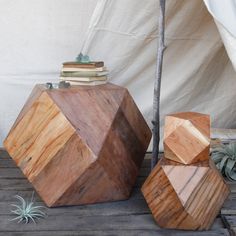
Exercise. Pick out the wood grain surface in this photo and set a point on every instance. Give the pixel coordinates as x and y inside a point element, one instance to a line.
<point>187,137</point>
<point>80,145</point>
<point>185,190</point>
<point>130,217</point>
<point>38,136</point>
<point>185,196</point>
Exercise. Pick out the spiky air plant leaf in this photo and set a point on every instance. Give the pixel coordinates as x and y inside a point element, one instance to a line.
<point>225,160</point>
<point>26,211</point>
<point>82,58</point>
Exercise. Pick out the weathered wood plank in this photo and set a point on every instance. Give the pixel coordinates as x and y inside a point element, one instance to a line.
<point>230,222</point>
<point>8,195</point>
<point>128,207</point>
<point>7,163</point>
<point>70,223</point>
<point>15,184</point>
<point>232,196</point>
<point>120,232</point>
<point>11,173</point>
<point>4,154</point>
<point>232,186</point>
<point>131,217</point>
<point>229,207</point>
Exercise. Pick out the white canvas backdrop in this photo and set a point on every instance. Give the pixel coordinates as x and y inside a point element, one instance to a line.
<point>224,13</point>
<point>197,75</point>
<point>37,36</point>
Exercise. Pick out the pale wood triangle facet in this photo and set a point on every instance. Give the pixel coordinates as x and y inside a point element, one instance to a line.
<point>171,124</point>
<point>184,179</point>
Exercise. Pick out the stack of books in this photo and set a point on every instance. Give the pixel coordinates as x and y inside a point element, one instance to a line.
<point>77,73</point>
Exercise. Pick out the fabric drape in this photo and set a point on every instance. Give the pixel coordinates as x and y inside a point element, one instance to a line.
<point>197,74</point>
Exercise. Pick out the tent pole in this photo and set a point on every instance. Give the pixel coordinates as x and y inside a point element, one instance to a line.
<point>157,85</point>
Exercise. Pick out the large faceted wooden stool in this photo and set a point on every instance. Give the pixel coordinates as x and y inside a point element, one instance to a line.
<point>185,196</point>
<point>79,145</point>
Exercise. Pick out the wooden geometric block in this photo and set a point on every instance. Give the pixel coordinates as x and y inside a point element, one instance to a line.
<point>185,190</point>
<point>79,145</point>
<point>185,197</point>
<point>187,137</point>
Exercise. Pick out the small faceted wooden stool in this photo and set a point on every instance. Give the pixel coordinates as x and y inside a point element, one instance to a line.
<point>187,137</point>
<point>79,145</point>
<point>185,196</point>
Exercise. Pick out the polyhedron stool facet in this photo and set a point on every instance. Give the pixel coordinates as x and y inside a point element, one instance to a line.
<point>182,196</point>
<point>187,137</point>
<point>79,145</point>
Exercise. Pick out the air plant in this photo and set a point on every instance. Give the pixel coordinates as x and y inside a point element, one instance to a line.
<point>225,160</point>
<point>82,58</point>
<point>26,211</point>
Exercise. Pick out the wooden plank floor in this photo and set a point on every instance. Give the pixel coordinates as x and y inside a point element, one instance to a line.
<point>131,217</point>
